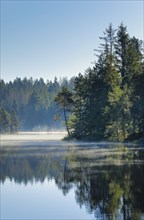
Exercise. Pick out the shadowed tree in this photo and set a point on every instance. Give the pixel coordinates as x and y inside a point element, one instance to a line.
<point>64,100</point>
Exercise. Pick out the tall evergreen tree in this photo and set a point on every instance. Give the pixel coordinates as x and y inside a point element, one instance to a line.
<point>107,96</point>
<point>121,50</point>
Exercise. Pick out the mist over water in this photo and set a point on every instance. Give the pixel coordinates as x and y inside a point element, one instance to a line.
<point>48,138</point>
<point>31,137</point>
<point>43,177</point>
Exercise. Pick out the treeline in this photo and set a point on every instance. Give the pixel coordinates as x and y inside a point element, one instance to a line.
<point>108,100</point>
<point>28,104</point>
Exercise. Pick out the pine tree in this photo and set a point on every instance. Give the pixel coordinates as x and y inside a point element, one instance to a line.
<point>14,124</point>
<point>64,101</point>
<point>121,50</point>
<point>5,121</point>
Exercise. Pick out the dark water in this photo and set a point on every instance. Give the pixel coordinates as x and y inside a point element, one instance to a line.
<point>56,180</point>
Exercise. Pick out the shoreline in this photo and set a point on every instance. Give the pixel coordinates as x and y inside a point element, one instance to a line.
<point>45,136</point>
<point>36,137</point>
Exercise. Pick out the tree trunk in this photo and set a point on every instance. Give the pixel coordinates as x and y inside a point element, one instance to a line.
<point>123,125</point>
<point>66,122</point>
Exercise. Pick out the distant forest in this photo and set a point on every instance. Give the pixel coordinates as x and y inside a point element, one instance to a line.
<point>107,101</point>
<point>28,104</point>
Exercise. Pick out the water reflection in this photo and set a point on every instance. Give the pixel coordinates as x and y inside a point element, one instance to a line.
<point>108,181</point>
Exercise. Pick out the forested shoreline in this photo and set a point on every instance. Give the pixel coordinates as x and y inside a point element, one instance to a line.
<point>106,102</point>
<point>28,104</point>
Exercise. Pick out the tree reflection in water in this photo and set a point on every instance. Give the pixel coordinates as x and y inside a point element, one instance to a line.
<point>104,187</point>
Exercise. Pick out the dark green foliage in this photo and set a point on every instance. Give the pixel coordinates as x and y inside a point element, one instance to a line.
<point>87,105</point>
<point>14,122</point>
<point>4,120</point>
<point>109,98</point>
<point>8,121</point>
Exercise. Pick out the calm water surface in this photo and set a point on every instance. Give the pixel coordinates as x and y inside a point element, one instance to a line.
<point>45,178</point>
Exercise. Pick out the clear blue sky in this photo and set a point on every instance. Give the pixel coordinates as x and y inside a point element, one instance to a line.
<point>57,38</point>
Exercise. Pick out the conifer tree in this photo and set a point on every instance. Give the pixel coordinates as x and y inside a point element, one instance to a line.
<point>121,50</point>
<point>64,101</point>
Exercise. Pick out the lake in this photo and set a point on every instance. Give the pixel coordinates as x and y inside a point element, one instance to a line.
<point>44,178</point>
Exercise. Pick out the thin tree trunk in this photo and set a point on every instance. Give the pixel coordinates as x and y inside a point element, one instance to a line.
<point>66,122</point>
<point>123,125</point>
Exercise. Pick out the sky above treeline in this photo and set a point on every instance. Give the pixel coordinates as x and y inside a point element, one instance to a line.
<point>57,38</point>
